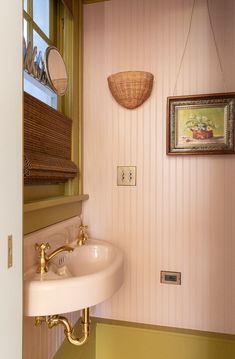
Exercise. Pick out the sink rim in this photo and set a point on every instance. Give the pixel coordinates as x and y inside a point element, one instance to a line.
<point>39,291</point>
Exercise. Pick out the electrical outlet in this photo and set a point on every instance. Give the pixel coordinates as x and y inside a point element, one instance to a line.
<point>168,277</point>
<point>126,175</point>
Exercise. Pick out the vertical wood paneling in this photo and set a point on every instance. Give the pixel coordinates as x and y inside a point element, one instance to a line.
<point>181,214</point>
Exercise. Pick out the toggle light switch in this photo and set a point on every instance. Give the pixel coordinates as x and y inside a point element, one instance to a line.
<point>126,175</point>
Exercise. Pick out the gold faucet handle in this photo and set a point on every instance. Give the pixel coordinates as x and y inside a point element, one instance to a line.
<point>42,248</point>
<point>83,236</point>
<point>42,264</point>
<point>83,229</point>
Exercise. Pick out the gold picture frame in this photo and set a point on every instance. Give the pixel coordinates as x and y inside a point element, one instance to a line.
<point>201,124</point>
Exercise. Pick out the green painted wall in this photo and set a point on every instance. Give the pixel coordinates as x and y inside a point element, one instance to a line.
<point>138,342</point>
<point>121,340</point>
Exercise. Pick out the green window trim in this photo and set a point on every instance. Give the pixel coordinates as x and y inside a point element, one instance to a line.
<point>46,212</point>
<point>86,2</point>
<point>47,205</point>
<point>53,202</point>
<point>28,16</point>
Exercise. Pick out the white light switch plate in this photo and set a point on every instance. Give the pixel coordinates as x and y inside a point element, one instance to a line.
<point>126,175</point>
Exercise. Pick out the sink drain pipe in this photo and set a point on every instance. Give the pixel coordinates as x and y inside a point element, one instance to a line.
<point>54,320</point>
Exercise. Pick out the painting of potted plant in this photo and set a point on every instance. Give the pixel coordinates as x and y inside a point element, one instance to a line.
<point>201,124</point>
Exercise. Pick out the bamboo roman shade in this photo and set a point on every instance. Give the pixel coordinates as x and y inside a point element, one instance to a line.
<point>47,144</point>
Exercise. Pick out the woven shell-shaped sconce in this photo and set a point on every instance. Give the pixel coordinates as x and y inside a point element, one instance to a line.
<point>131,88</point>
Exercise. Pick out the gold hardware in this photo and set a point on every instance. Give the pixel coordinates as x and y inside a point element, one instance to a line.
<point>83,236</point>
<point>10,252</point>
<point>39,320</point>
<point>44,258</point>
<point>54,320</point>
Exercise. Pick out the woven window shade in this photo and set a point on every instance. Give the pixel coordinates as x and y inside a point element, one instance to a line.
<point>47,144</point>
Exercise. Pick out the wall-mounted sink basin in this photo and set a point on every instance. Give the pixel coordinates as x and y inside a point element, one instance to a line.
<point>91,274</point>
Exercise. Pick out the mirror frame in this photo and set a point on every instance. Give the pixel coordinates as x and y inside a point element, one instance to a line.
<point>46,56</point>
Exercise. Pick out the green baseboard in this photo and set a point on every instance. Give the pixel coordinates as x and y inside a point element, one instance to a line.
<point>121,340</point>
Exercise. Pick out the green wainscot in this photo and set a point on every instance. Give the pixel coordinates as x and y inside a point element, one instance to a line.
<point>122,340</point>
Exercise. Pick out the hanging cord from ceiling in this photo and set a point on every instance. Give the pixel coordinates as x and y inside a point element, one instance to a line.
<point>187,41</point>
<point>216,46</point>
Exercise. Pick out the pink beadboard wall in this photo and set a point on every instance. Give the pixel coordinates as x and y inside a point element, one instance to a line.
<point>181,214</point>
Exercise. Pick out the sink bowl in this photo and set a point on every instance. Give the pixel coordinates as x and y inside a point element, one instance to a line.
<point>90,274</point>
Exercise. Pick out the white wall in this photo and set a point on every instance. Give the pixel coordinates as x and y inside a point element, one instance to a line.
<point>181,214</point>
<point>11,178</point>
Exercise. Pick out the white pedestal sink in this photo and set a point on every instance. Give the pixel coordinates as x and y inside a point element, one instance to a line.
<point>91,274</point>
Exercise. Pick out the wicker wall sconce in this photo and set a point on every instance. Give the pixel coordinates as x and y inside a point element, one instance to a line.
<point>131,88</point>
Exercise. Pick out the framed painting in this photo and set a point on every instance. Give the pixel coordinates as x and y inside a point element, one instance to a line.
<point>201,124</point>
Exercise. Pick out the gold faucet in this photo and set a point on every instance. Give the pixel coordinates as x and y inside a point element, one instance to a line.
<point>83,236</point>
<point>44,258</point>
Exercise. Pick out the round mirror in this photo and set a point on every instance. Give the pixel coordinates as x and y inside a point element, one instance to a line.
<point>56,70</point>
